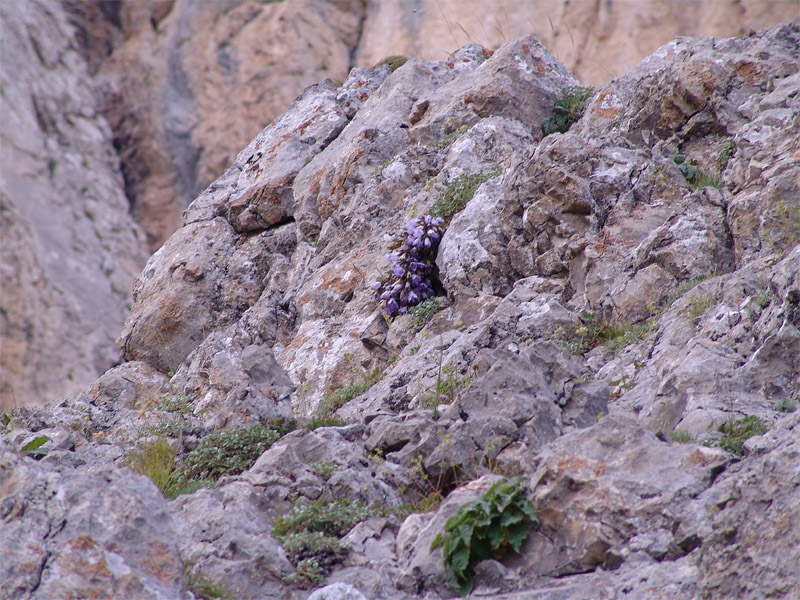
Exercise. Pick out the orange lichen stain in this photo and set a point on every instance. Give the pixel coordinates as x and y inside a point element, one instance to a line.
<point>576,464</point>
<point>84,556</point>
<point>161,563</point>
<point>749,71</point>
<point>607,105</point>
<point>699,459</point>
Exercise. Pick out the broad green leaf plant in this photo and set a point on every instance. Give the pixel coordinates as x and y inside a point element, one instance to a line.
<point>485,528</point>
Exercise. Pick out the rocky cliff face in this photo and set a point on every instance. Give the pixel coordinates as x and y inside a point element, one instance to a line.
<point>69,246</point>
<point>174,89</point>
<point>616,322</point>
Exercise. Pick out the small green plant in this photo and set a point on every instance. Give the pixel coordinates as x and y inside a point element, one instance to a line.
<point>318,422</point>
<point>451,137</point>
<point>736,433</point>
<point>335,399</point>
<point>227,452</point>
<point>413,350</point>
<point>175,404</point>
<point>594,332</point>
<point>324,468</point>
<point>205,588</point>
<point>726,153</point>
<point>331,518</point>
<point>305,544</point>
<point>485,528</point>
<point>786,223</point>
<point>698,306</point>
<point>382,166</point>
<point>448,383</point>
<point>679,291</point>
<point>423,312</point>
<point>694,176</point>
<point>455,196</point>
<point>310,535</point>
<point>681,437</point>
<point>567,109</point>
<point>429,494</point>
<point>156,460</point>
<point>787,405</point>
<point>34,447</point>
<point>171,428</point>
<point>308,574</point>
<point>625,335</point>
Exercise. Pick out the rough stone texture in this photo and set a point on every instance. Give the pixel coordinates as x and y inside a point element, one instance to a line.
<point>156,72</point>
<point>755,504</point>
<point>601,314</point>
<point>70,249</point>
<point>106,534</point>
<point>597,42</point>
<point>260,54</point>
<point>224,534</point>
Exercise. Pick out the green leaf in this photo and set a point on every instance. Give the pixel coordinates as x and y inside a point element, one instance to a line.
<point>465,531</point>
<point>510,517</point>
<point>517,535</point>
<point>459,560</point>
<point>32,447</point>
<point>437,540</point>
<point>496,536</point>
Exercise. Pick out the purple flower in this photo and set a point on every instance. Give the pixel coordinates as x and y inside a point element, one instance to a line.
<point>412,267</point>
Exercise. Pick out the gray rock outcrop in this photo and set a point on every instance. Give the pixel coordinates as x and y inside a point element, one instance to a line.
<point>616,322</point>
<point>70,247</point>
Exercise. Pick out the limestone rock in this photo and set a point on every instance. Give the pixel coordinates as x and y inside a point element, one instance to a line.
<point>596,42</point>
<point>175,147</point>
<point>748,541</point>
<point>107,533</point>
<point>70,248</point>
<point>609,306</point>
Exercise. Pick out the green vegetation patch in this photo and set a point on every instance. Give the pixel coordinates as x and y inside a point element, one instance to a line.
<point>567,109</point>
<point>736,433</point>
<point>335,399</point>
<point>595,332</point>
<point>228,452</point>
<point>456,194</point>
<point>423,312</point>
<point>34,447</point>
<point>486,528</point>
<point>156,460</point>
<point>310,534</point>
<point>694,176</point>
<point>331,518</point>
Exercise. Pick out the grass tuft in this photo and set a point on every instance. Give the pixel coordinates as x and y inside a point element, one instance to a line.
<point>456,194</point>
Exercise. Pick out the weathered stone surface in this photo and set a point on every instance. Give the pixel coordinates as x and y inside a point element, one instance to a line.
<point>602,309</point>
<point>185,56</point>
<point>225,534</point>
<point>76,533</point>
<point>70,248</point>
<point>598,506</point>
<point>752,551</point>
<point>596,42</point>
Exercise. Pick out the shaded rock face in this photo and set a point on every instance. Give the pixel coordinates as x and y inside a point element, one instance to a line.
<point>107,534</point>
<point>161,66</point>
<point>182,86</point>
<point>190,83</point>
<point>70,248</point>
<point>613,302</point>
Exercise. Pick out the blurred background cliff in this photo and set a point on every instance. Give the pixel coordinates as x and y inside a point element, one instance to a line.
<point>115,115</point>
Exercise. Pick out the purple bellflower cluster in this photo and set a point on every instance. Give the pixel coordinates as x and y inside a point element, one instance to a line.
<point>413,267</point>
